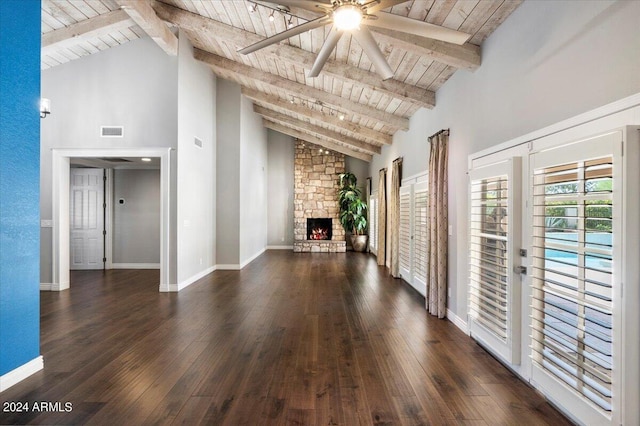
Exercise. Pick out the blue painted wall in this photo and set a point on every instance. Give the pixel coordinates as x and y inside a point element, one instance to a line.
<point>19,183</point>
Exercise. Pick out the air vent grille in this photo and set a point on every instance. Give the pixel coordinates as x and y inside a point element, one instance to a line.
<point>115,160</point>
<point>112,131</point>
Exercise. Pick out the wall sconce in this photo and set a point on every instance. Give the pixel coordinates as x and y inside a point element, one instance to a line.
<point>45,107</point>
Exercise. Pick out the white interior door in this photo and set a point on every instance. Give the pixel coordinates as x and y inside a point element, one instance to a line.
<point>86,222</point>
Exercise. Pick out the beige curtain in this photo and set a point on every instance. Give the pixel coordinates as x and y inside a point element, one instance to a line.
<point>437,225</point>
<point>382,217</point>
<point>394,217</point>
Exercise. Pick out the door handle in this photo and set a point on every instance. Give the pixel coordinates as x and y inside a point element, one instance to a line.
<point>520,270</point>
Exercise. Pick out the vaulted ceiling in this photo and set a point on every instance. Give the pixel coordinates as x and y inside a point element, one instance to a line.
<point>347,108</point>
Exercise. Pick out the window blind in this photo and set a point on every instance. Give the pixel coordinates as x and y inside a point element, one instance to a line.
<point>405,230</point>
<point>572,305</point>
<point>489,260</point>
<point>373,224</point>
<point>421,201</point>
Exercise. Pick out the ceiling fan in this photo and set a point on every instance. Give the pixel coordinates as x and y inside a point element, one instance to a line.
<point>353,17</point>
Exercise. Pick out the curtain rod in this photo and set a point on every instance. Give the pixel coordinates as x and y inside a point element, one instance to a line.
<point>439,133</point>
<point>383,169</point>
<point>397,159</point>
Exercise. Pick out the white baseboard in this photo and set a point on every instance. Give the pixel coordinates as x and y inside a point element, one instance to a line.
<point>237,267</point>
<point>53,286</point>
<point>279,247</point>
<point>172,288</point>
<point>168,288</point>
<point>135,266</point>
<point>19,374</point>
<point>462,325</point>
<point>228,267</point>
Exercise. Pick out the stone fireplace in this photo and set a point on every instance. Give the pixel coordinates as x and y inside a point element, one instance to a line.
<point>316,212</point>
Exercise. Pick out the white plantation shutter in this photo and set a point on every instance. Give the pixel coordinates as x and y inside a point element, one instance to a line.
<point>576,225</point>
<point>489,258</point>
<point>405,231</point>
<point>373,223</point>
<point>420,241</point>
<point>413,233</point>
<point>494,287</point>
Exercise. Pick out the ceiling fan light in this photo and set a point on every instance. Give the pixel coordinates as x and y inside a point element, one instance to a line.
<point>347,17</point>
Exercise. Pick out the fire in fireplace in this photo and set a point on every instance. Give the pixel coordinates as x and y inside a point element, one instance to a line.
<point>319,228</point>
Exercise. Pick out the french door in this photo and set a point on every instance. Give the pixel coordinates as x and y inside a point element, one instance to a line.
<point>554,259</point>
<point>576,284</point>
<point>413,234</point>
<point>494,242</point>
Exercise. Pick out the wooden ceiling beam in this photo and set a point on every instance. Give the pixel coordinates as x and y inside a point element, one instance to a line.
<point>312,139</point>
<point>352,129</point>
<point>98,26</point>
<point>317,131</point>
<point>144,15</point>
<point>293,55</point>
<point>219,63</point>
<point>466,56</point>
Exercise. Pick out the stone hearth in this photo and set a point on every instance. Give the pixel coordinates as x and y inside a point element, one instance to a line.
<point>316,196</point>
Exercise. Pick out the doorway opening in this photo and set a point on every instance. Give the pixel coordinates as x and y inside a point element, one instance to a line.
<point>63,159</point>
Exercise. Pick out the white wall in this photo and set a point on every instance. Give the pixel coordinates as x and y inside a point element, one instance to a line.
<point>253,183</point>
<point>196,203</point>
<point>241,179</point>
<point>547,62</point>
<point>227,173</point>
<point>136,223</point>
<point>280,161</point>
<point>133,85</point>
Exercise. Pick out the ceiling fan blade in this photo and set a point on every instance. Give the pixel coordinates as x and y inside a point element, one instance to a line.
<point>369,45</point>
<point>325,51</point>
<point>377,5</point>
<point>323,20</point>
<point>415,27</point>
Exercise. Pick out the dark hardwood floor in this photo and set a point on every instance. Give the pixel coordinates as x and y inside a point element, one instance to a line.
<point>307,339</point>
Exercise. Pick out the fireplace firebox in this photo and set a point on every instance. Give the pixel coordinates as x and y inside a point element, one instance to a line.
<point>319,228</point>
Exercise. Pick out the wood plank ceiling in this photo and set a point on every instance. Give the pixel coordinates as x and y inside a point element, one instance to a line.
<point>347,108</point>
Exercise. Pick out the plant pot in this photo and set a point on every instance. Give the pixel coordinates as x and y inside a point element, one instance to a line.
<point>359,242</point>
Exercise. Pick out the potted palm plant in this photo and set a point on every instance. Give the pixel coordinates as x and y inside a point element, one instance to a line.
<point>353,211</point>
